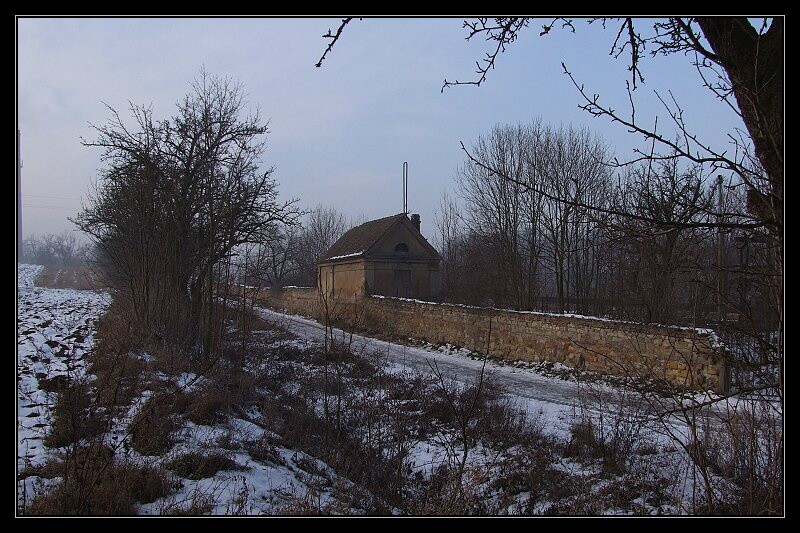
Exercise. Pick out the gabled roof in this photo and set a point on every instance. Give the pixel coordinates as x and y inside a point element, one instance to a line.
<point>357,241</point>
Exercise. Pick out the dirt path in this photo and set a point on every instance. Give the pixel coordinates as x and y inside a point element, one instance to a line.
<point>80,278</point>
<point>555,399</point>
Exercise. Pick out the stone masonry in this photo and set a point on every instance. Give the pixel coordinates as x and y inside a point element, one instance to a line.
<point>686,357</point>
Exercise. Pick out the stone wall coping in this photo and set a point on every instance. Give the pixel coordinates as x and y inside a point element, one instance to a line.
<point>713,338</point>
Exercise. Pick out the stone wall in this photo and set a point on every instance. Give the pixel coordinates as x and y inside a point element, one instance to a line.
<point>297,300</point>
<point>683,356</point>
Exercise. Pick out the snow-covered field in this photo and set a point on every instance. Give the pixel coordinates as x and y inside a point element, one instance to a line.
<point>253,487</point>
<point>55,330</point>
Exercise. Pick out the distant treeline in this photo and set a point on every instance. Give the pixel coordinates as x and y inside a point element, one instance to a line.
<point>545,219</point>
<point>51,249</point>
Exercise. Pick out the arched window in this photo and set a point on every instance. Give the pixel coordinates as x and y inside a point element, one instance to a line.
<point>402,248</point>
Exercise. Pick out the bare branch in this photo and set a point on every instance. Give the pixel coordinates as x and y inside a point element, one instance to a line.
<point>333,38</point>
<point>505,33</point>
<point>602,210</point>
<point>593,107</point>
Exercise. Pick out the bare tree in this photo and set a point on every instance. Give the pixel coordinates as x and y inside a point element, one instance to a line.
<point>277,258</point>
<point>525,224</point>
<point>575,169</point>
<point>651,258</point>
<point>62,249</point>
<point>449,242</point>
<point>495,207</point>
<point>323,227</point>
<point>177,197</point>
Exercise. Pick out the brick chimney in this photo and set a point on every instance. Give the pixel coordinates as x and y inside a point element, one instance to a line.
<point>416,221</point>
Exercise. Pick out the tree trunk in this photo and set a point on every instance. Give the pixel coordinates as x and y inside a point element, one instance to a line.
<point>754,64</point>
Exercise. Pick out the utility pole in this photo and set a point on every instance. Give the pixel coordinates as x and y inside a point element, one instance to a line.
<point>720,257</point>
<point>19,199</point>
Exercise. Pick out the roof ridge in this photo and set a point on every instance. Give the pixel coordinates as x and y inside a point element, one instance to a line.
<point>361,238</point>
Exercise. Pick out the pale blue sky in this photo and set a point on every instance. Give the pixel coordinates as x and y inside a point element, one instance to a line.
<point>340,133</point>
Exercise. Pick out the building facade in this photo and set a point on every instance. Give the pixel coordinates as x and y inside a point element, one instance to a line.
<point>388,257</point>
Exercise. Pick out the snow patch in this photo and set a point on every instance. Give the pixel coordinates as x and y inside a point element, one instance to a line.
<point>345,256</point>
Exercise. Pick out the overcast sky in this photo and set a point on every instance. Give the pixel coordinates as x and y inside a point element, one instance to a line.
<point>340,133</point>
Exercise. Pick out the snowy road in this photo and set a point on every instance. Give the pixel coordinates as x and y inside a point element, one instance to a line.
<point>555,399</point>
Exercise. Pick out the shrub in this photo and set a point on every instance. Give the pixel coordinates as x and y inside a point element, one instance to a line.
<point>152,428</point>
<point>196,465</point>
<point>263,450</point>
<point>747,452</point>
<point>205,408</point>
<point>54,384</point>
<point>74,416</point>
<point>94,483</point>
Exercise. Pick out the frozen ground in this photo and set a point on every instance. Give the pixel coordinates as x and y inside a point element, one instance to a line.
<point>555,399</point>
<point>54,333</point>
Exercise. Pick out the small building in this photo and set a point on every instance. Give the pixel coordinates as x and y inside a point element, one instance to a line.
<point>388,256</point>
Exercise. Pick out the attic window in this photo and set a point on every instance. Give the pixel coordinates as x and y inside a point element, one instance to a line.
<point>402,248</point>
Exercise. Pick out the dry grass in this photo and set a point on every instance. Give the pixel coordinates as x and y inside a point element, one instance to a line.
<point>206,406</point>
<point>748,452</point>
<point>55,384</point>
<point>152,427</point>
<point>94,483</point>
<point>264,450</point>
<point>82,278</point>
<point>74,417</point>
<point>200,465</point>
